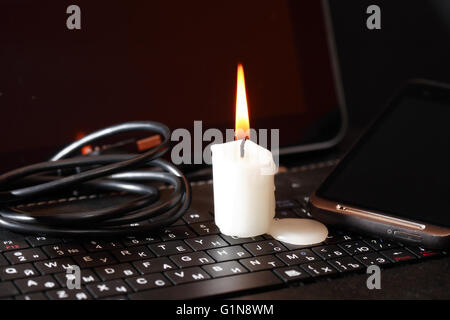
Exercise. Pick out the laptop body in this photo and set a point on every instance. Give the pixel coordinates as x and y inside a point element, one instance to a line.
<point>190,259</point>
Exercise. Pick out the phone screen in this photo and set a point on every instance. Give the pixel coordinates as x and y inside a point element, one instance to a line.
<point>401,166</point>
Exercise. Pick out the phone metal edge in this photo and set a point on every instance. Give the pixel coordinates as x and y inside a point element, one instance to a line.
<point>380,217</point>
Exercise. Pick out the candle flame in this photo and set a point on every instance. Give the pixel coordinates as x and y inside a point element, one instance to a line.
<point>242,128</point>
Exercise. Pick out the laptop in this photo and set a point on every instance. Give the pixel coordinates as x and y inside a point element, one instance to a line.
<point>177,65</point>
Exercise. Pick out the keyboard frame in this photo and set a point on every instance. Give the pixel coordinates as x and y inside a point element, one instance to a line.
<point>139,268</point>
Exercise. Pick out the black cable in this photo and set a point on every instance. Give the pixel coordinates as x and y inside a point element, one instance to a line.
<point>113,172</point>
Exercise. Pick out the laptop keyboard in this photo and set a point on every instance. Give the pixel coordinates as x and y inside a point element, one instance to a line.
<point>190,259</point>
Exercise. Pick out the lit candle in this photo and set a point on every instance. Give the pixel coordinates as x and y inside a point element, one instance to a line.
<point>244,188</point>
<point>243,178</point>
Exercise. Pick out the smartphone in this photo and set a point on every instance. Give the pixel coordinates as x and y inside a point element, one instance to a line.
<point>395,181</point>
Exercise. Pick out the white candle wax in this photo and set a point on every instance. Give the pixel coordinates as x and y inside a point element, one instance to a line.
<point>244,188</point>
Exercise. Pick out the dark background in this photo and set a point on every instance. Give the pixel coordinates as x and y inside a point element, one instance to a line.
<point>413,42</point>
<point>173,62</point>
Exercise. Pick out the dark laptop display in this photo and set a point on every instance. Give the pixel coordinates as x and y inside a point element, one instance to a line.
<point>148,61</point>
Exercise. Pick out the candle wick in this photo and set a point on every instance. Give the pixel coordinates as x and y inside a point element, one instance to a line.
<point>242,147</point>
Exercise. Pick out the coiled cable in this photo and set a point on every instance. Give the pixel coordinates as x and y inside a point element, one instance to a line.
<point>129,173</point>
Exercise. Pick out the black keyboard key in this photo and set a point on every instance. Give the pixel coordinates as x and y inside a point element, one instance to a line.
<point>132,254</point>
<point>346,264</point>
<point>187,275</point>
<point>63,250</point>
<point>36,284</point>
<point>381,244</point>
<point>197,216</point>
<point>7,289</point>
<point>66,294</point>
<point>109,288</point>
<point>329,252</point>
<point>132,241</point>
<point>332,239</point>
<point>224,269</point>
<point>206,242</point>
<point>228,253</point>
<point>193,259</point>
<point>335,237</point>
<point>292,247</point>
<point>99,245</point>
<point>205,228</point>
<point>149,281</point>
<point>292,273</point>
<point>236,240</point>
<point>54,265</point>
<point>264,247</point>
<point>176,233</point>
<point>214,287</point>
<point>170,248</point>
<point>261,263</point>
<point>8,245</point>
<point>32,296</point>
<point>154,265</point>
<point>26,255</point>
<point>298,257</point>
<point>87,276</point>
<point>18,272</point>
<point>95,259</point>
<point>117,271</point>
<point>373,258</point>
<point>424,253</point>
<point>42,241</point>
<point>3,261</point>
<point>179,222</point>
<point>399,255</point>
<point>356,247</point>
<point>317,269</point>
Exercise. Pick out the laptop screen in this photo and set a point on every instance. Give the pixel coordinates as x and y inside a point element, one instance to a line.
<point>162,61</point>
